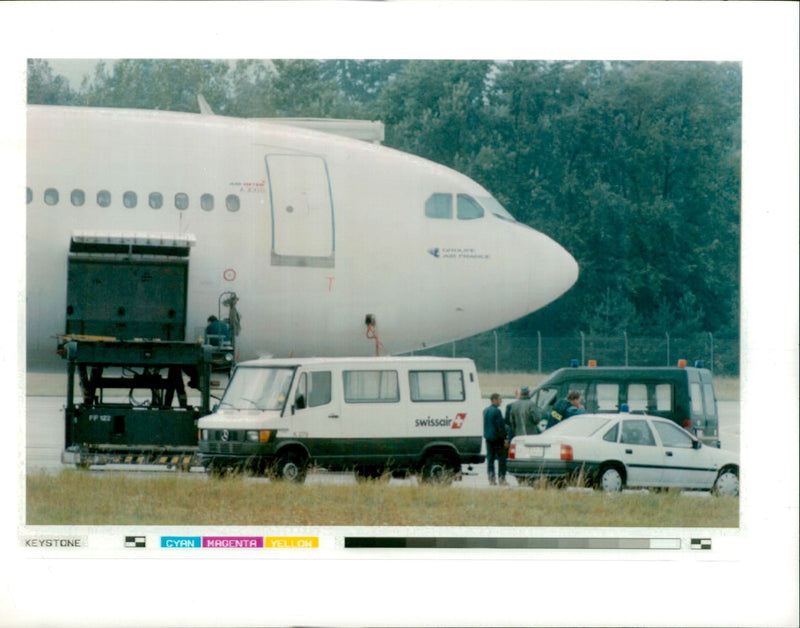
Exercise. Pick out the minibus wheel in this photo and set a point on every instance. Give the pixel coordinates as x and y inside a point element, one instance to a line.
<point>438,469</point>
<point>291,466</point>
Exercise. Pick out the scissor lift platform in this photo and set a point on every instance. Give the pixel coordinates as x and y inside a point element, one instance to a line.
<point>134,407</point>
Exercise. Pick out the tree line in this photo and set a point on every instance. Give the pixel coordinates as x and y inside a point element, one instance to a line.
<point>634,167</point>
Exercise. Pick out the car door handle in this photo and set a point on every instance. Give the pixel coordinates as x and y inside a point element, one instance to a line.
<point>669,453</point>
<point>333,416</point>
<point>629,451</point>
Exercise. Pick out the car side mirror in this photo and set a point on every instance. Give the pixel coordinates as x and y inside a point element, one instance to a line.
<point>697,444</point>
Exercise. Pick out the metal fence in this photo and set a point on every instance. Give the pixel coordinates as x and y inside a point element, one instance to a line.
<point>507,352</point>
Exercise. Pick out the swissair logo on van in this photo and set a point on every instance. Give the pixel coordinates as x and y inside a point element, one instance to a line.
<point>455,424</point>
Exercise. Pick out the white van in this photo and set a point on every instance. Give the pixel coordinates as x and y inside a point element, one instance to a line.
<point>370,415</point>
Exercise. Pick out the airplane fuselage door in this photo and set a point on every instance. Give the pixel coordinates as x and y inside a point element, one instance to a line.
<point>302,211</point>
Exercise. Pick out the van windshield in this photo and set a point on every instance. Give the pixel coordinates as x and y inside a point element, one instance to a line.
<point>259,388</point>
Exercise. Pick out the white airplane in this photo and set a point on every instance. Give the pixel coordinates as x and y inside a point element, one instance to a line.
<point>313,231</point>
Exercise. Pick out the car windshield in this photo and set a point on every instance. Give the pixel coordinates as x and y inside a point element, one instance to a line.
<point>581,425</point>
<point>259,388</point>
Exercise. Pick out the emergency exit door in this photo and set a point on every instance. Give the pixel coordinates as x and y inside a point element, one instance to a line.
<point>302,210</point>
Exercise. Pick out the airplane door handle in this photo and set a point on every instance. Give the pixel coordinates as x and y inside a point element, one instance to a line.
<point>629,451</point>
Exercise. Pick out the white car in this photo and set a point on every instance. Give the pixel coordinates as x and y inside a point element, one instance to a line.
<point>614,451</point>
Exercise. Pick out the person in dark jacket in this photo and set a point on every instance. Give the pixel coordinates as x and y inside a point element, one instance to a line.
<point>217,332</point>
<point>565,408</point>
<point>494,431</point>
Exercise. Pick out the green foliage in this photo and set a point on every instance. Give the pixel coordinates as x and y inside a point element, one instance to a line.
<point>634,167</point>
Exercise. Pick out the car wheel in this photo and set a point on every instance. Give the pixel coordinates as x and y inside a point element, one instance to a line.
<point>291,467</point>
<point>727,483</point>
<point>610,480</point>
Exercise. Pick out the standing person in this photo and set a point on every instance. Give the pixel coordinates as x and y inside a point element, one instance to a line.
<point>494,431</point>
<point>521,415</point>
<point>566,408</point>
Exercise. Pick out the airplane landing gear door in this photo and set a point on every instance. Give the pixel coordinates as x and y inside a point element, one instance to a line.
<point>302,211</point>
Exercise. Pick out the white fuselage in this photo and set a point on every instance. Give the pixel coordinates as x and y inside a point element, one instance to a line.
<point>311,230</point>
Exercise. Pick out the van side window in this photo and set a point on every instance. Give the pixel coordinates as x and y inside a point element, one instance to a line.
<point>319,390</point>
<point>607,397</point>
<point>711,404</point>
<point>697,398</point>
<point>436,385</point>
<point>664,397</point>
<point>301,394</point>
<point>313,389</point>
<point>544,398</point>
<point>371,387</point>
<point>637,397</point>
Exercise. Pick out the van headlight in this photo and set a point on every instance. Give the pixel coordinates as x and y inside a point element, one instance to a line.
<point>258,436</point>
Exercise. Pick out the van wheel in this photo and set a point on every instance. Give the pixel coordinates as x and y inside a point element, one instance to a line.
<point>610,479</point>
<point>291,467</point>
<point>439,469</point>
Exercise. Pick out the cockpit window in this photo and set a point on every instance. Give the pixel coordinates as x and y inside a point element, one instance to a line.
<point>495,208</point>
<point>439,206</point>
<point>467,208</point>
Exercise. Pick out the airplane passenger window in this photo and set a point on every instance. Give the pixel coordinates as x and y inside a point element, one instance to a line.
<point>30,196</point>
<point>232,203</point>
<point>467,208</point>
<point>51,196</point>
<point>181,200</point>
<point>77,198</point>
<point>439,206</point>
<point>156,200</point>
<point>104,198</point>
<point>207,202</point>
<point>129,199</point>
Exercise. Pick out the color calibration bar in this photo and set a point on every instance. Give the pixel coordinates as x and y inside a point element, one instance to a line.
<point>379,542</point>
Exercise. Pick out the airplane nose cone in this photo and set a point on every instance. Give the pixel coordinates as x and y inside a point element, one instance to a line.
<point>551,271</point>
